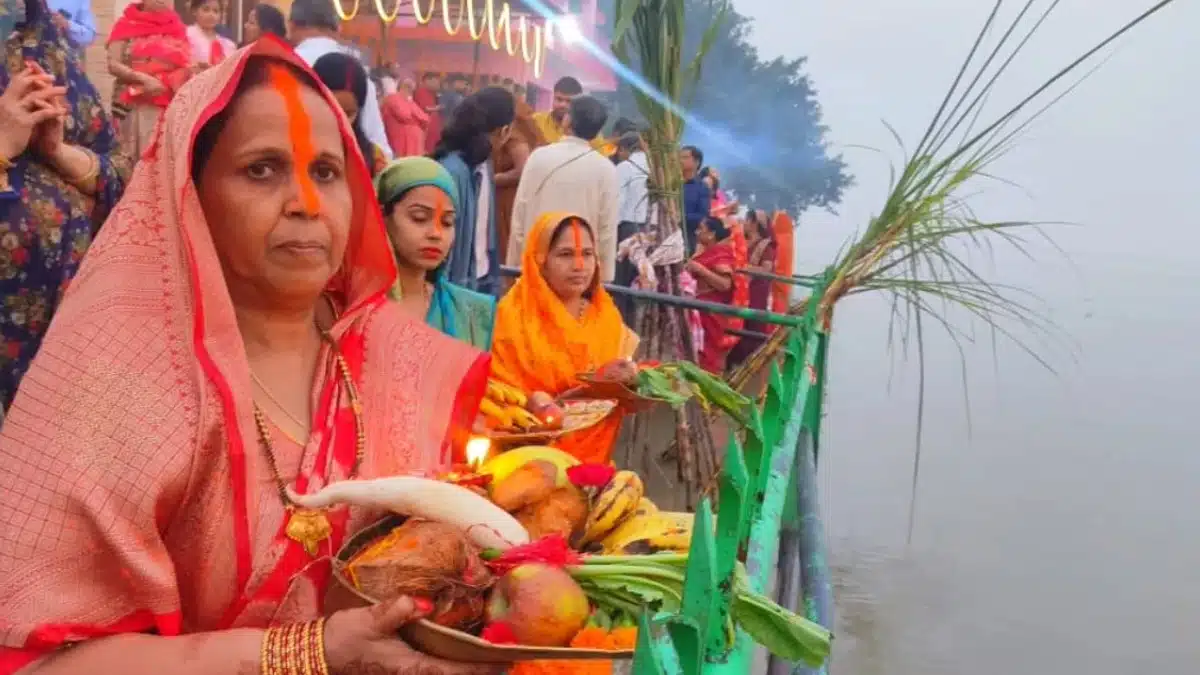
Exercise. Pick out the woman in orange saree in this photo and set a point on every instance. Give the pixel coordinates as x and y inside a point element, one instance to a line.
<point>557,322</point>
<point>228,336</point>
<point>783,231</point>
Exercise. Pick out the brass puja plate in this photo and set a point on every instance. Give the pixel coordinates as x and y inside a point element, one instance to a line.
<point>447,643</point>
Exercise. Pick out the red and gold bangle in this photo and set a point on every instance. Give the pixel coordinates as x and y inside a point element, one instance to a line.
<point>264,658</point>
<point>295,649</point>
<point>317,635</point>
<point>307,649</point>
<point>269,665</point>
<point>295,633</point>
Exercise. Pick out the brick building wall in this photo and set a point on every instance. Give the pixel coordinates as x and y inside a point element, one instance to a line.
<point>97,70</point>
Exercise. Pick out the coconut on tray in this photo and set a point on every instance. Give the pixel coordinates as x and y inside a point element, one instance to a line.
<point>535,556</point>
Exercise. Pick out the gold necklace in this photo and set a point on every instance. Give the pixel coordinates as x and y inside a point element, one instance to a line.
<point>271,397</point>
<point>309,527</point>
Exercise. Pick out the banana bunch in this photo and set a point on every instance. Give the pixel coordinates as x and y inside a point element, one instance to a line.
<point>506,395</point>
<point>623,522</point>
<point>504,406</point>
<point>650,532</point>
<point>615,503</point>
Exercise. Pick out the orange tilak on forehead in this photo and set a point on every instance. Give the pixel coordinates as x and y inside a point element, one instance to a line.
<point>300,133</point>
<point>440,203</point>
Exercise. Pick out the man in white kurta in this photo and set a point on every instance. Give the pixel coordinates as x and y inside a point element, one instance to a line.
<point>313,29</point>
<point>569,175</point>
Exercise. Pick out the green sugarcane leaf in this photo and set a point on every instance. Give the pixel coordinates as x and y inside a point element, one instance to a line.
<point>625,11</point>
<point>657,384</point>
<point>714,390</point>
<point>715,28</point>
<point>785,634</point>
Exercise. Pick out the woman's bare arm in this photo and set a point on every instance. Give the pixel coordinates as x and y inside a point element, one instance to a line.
<point>117,66</point>
<point>520,153</point>
<point>231,652</point>
<point>720,279</point>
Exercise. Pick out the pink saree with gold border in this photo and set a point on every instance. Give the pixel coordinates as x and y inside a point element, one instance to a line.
<point>134,494</point>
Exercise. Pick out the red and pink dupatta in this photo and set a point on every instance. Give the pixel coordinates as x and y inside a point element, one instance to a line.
<point>158,46</point>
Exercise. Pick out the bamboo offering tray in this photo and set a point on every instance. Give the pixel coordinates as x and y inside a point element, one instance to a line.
<point>447,643</point>
<point>577,414</point>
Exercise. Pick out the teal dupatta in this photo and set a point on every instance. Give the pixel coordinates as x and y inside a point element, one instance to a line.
<point>462,313</point>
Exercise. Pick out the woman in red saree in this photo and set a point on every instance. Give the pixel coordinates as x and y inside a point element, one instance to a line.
<point>150,57</point>
<point>227,335</point>
<point>426,96</point>
<point>404,121</point>
<point>722,249</point>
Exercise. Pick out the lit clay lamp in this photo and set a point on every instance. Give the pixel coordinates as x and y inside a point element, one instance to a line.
<point>467,475</point>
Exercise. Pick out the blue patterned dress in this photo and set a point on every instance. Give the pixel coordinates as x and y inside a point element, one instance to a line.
<point>46,224</point>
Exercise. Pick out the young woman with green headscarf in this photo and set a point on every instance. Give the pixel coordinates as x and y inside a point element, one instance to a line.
<point>419,201</point>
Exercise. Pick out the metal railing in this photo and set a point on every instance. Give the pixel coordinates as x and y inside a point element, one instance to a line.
<point>690,303</point>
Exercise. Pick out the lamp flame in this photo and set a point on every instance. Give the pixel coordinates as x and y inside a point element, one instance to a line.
<point>477,452</point>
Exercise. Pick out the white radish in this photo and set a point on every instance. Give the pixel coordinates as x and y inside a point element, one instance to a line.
<point>486,524</point>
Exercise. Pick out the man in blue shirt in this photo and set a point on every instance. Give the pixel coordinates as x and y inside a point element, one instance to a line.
<point>697,201</point>
<point>74,18</point>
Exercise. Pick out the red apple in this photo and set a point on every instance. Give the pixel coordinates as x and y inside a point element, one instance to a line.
<point>541,604</point>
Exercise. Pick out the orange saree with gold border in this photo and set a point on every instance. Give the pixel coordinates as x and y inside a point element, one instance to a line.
<point>539,346</point>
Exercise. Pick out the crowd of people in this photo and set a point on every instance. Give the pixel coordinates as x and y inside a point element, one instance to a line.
<point>300,283</point>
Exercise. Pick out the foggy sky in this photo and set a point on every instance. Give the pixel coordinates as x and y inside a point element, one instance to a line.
<point>1118,155</point>
<point>1093,463</point>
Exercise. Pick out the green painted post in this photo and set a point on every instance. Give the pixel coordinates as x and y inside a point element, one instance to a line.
<point>763,549</point>
<point>794,371</point>
<point>699,594</point>
<point>774,413</point>
<point>793,361</point>
<point>773,407</point>
<point>655,653</point>
<point>816,410</point>
<point>753,449</point>
<point>731,524</point>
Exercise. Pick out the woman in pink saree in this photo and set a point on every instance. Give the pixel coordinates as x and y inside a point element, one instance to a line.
<point>228,335</point>
<point>405,121</point>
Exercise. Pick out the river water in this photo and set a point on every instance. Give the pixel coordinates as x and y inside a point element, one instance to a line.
<point>1055,528</point>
